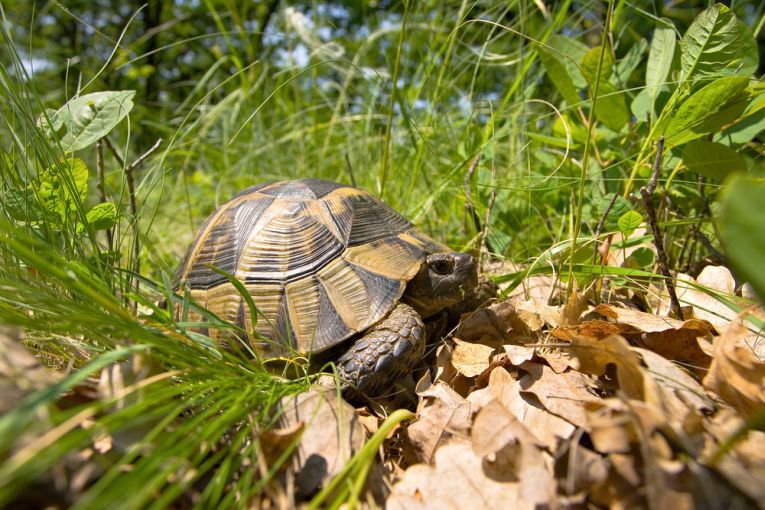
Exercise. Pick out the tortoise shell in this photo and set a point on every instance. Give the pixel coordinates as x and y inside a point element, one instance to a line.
<point>322,262</point>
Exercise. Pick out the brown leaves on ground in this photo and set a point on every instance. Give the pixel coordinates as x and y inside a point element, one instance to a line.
<point>532,405</point>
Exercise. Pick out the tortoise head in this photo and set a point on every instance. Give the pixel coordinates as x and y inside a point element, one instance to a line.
<point>444,279</point>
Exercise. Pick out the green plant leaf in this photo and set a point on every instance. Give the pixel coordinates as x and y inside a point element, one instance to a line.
<point>102,216</point>
<point>590,65</point>
<point>712,45</point>
<point>640,258</point>
<point>751,123</point>
<point>712,159</point>
<point>750,56</point>
<point>92,116</point>
<point>659,63</point>
<point>56,185</point>
<point>559,76</point>
<point>627,65</point>
<point>629,222</point>
<point>22,205</point>
<point>707,110</point>
<point>743,230</point>
<point>571,53</point>
<point>610,108</point>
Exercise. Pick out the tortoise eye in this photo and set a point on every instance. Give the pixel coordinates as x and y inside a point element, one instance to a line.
<point>441,266</point>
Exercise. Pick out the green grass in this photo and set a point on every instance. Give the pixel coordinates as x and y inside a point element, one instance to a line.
<point>403,111</point>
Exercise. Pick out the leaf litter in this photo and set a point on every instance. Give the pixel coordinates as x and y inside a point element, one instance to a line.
<point>530,404</point>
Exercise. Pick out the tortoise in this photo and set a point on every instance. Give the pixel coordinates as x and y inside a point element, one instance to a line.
<point>327,266</point>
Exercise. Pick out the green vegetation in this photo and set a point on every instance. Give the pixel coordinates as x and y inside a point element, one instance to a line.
<point>506,128</point>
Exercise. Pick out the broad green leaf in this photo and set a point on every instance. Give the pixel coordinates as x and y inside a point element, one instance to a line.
<point>707,110</point>
<point>590,65</point>
<point>90,117</point>
<point>629,222</point>
<point>712,159</point>
<point>50,129</point>
<point>56,185</point>
<point>610,108</point>
<point>640,258</point>
<point>751,123</point>
<point>627,65</point>
<point>642,105</point>
<point>559,76</point>
<point>571,54</point>
<point>750,57</point>
<point>102,216</point>
<point>660,58</point>
<point>620,207</point>
<point>22,205</point>
<point>743,230</point>
<point>712,45</point>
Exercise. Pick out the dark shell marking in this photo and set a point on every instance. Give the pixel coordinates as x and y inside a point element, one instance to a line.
<point>322,262</point>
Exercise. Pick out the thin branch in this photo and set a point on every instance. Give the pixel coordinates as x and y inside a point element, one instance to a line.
<point>350,169</point>
<point>115,153</point>
<point>469,206</point>
<point>599,228</point>
<point>102,188</point>
<point>647,193</point>
<point>485,246</point>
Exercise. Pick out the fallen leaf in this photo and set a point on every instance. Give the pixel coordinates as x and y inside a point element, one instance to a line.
<point>681,391</point>
<point>471,359</point>
<point>332,434</point>
<point>499,321</point>
<point>441,415</point>
<point>735,374</point>
<point>717,279</point>
<point>547,428</point>
<point>518,354</point>
<point>456,478</point>
<point>593,356</point>
<point>673,339</point>
<point>561,394</point>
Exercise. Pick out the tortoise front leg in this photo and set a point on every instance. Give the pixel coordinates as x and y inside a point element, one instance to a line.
<point>387,351</point>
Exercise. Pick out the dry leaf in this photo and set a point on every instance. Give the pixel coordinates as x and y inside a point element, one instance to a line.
<point>735,374</point>
<point>681,391</point>
<point>442,414</point>
<point>593,357</point>
<point>456,479</point>
<point>673,339</point>
<point>500,321</point>
<point>332,434</point>
<point>547,428</point>
<point>561,394</point>
<point>518,354</point>
<point>20,372</point>
<point>706,307</point>
<point>471,359</point>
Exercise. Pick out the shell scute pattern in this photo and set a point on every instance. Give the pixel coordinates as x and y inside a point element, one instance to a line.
<point>322,261</point>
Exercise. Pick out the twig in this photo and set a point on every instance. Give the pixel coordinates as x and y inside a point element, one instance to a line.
<point>485,246</point>
<point>129,177</point>
<point>350,169</point>
<point>469,207</point>
<point>647,193</point>
<point>607,244</point>
<point>102,188</point>
<point>599,228</point>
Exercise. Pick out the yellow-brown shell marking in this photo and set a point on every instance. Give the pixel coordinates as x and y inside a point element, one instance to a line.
<point>321,261</point>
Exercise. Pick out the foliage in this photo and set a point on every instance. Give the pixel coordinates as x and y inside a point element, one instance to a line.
<point>505,128</point>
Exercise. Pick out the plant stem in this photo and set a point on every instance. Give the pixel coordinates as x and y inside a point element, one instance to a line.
<point>647,193</point>
<point>102,188</point>
<point>586,154</point>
